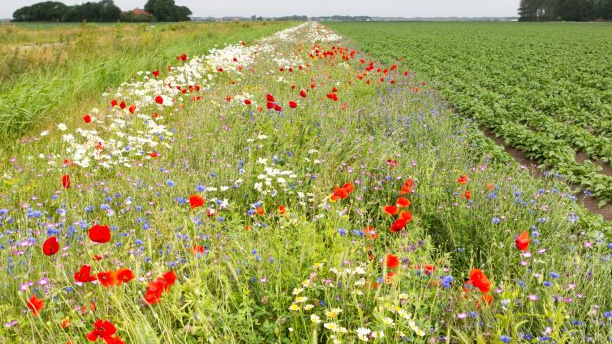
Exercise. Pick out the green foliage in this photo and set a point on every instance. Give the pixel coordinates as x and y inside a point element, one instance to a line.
<point>167,11</point>
<point>566,10</point>
<point>103,11</point>
<point>51,11</point>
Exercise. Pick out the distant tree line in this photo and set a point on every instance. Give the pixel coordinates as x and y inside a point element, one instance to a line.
<point>567,10</point>
<point>103,11</point>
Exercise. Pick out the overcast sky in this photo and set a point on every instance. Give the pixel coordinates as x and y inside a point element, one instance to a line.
<point>271,8</point>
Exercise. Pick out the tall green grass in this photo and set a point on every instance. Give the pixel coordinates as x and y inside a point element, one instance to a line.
<point>97,58</point>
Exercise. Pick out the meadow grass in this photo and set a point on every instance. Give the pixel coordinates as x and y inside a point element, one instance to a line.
<point>48,71</point>
<point>276,257</point>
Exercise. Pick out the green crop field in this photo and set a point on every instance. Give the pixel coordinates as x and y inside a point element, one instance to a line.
<point>298,184</point>
<point>546,89</point>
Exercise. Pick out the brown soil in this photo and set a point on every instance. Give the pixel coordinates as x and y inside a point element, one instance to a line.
<point>587,201</point>
<point>581,157</point>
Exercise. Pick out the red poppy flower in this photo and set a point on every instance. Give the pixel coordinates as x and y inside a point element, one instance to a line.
<point>247,101</point>
<point>35,304</point>
<point>66,181</point>
<point>102,329</point>
<point>50,246</point>
<point>159,286</point>
<point>132,109</point>
<point>292,104</point>
<point>488,298</point>
<point>348,187</point>
<point>196,201</point>
<point>269,97</point>
<point>107,278</point>
<point>122,105</point>
<point>490,186</point>
<point>278,108</point>
<point>409,183</point>
<point>183,57</point>
<point>429,269</point>
<point>339,193</point>
<point>522,241</point>
<point>169,277</point>
<point>406,215</point>
<point>467,194</point>
<point>124,275</point>
<point>281,209</point>
<point>392,162</point>
<point>303,94</point>
<point>462,179</point>
<point>153,154</point>
<point>198,249</point>
<point>87,118</point>
<point>156,73</point>
<point>390,210</point>
<point>159,100</point>
<point>402,202</point>
<point>398,225</point>
<point>84,274</point>
<point>389,278</point>
<point>260,211</point>
<point>270,105</point>
<point>392,261</point>
<point>114,103</point>
<point>100,234</point>
<point>480,280</point>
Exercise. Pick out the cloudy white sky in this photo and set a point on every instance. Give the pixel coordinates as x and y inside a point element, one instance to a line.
<point>270,8</point>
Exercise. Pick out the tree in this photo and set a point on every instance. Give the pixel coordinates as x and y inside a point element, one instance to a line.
<point>167,11</point>
<point>50,11</point>
<point>570,10</point>
<point>109,12</point>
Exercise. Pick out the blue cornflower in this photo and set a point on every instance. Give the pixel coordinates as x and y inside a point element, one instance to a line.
<point>342,231</point>
<point>495,220</point>
<point>170,183</point>
<point>34,213</point>
<point>554,275</point>
<point>505,339</point>
<point>547,284</point>
<point>447,281</point>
